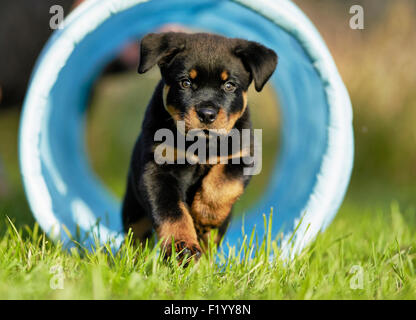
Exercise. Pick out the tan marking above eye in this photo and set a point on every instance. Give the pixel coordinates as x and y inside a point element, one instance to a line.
<point>193,74</point>
<point>224,75</point>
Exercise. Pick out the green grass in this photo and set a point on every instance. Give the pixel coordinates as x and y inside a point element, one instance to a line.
<point>379,245</point>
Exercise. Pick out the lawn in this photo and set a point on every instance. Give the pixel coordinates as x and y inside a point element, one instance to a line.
<point>364,254</point>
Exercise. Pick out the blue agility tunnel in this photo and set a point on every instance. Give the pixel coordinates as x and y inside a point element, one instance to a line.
<point>310,176</point>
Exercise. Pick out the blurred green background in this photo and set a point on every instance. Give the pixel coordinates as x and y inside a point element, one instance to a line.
<point>378,67</point>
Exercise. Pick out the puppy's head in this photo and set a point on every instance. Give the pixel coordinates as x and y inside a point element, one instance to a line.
<point>206,76</point>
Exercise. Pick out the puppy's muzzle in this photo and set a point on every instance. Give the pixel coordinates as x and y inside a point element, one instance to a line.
<point>207,115</point>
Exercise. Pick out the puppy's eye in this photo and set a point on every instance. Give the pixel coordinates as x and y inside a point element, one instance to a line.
<point>229,86</point>
<point>186,84</point>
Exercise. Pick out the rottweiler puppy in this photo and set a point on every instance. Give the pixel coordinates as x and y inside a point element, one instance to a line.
<point>205,78</point>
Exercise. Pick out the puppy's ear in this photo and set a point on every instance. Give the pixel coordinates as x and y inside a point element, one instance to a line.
<point>258,60</point>
<point>159,48</point>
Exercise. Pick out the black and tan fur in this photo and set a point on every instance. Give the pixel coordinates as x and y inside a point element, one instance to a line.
<point>204,82</point>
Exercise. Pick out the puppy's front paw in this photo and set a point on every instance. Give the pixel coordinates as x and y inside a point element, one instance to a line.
<point>183,249</point>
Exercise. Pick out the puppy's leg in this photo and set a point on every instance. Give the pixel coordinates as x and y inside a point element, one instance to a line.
<point>171,216</point>
<point>213,202</point>
<point>134,215</point>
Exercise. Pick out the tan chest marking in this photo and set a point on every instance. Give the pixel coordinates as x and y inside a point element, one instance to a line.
<point>213,202</point>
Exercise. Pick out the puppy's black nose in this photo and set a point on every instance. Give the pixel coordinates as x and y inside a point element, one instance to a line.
<point>207,115</point>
